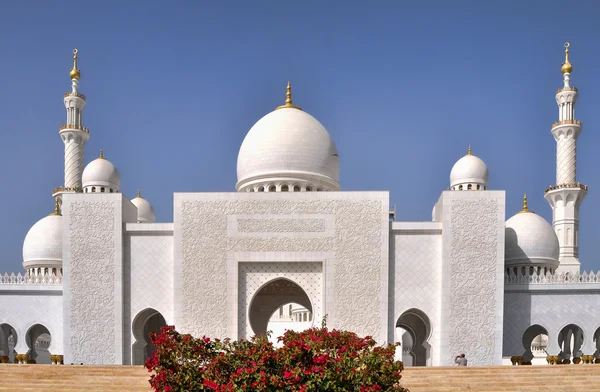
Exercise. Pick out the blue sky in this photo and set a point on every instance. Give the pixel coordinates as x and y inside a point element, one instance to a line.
<point>403,88</point>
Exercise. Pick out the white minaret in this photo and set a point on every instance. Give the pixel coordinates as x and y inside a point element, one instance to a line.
<point>566,196</point>
<point>73,134</point>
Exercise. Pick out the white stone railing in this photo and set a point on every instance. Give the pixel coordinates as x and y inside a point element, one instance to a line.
<point>541,278</point>
<point>538,350</point>
<point>46,279</point>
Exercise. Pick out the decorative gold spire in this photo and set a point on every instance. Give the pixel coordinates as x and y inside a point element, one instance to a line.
<point>525,209</point>
<point>288,99</point>
<point>139,195</point>
<point>567,67</point>
<point>469,150</point>
<point>75,74</point>
<point>56,208</point>
<point>101,154</point>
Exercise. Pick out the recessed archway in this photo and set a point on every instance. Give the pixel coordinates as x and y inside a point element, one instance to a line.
<point>38,339</point>
<point>416,324</point>
<point>8,341</point>
<point>272,296</point>
<point>535,341</point>
<point>147,321</point>
<point>570,340</point>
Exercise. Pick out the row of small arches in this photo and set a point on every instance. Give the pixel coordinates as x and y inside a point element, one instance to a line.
<point>285,188</point>
<point>532,270</point>
<point>470,187</point>
<point>41,271</point>
<point>93,189</point>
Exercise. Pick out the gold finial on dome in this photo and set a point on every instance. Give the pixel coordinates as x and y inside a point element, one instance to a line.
<point>75,74</point>
<point>101,154</point>
<point>567,67</point>
<point>525,209</point>
<point>288,99</point>
<point>56,208</point>
<point>139,194</point>
<point>469,150</point>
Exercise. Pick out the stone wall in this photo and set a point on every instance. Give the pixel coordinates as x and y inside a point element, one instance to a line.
<point>347,232</point>
<point>93,272</point>
<point>472,276</point>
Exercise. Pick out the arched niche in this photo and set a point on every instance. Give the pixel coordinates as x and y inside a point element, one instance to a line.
<point>415,323</point>
<point>147,321</point>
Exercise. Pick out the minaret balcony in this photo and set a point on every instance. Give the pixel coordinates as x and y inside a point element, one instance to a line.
<point>563,89</point>
<point>75,95</point>
<point>66,189</point>
<point>567,186</point>
<point>74,126</point>
<point>566,122</point>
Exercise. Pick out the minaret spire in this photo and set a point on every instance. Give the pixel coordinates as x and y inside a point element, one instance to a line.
<point>525,208</point>
<point>73,134</point>
<point>288,99</point>
<point>566,196</point>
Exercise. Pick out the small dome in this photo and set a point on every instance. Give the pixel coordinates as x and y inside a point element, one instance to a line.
<point>288,148</point>
<point>101,174</point>
<point>145,210</point>
<point>469,170</point>
<point>530,241</point>
<point>43,243</point>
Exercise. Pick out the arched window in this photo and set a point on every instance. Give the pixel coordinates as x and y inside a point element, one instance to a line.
<point>272,188</point>
<point>308,188</point>
<point>460,187</point>
<point>102,189</point>
<point>469,187</point>
<point>261,189</point>
<point>111,190</point>
<point>296,188</point>
<point>478,187</point>
<point>93,189</point>
<point>285,188</point>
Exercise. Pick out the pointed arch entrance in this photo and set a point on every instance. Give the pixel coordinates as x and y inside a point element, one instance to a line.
<point>147,321</point>
<point>413,329</point>
<point>272,296</point>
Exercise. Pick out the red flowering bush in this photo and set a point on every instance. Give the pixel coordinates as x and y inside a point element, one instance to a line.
<point>313,360</point>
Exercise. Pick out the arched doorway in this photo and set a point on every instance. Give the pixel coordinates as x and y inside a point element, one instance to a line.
<point>570,340</point>
<point>535,342</point>
<point>8,341</point>
<point>416,325</point>
<point>270,298</point>
<point>38,339</point>
<point>147,321</point>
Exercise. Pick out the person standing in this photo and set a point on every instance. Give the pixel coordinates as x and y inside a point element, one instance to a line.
<point>460,360</point>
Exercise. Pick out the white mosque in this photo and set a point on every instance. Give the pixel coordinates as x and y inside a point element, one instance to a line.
<point>290,247</point>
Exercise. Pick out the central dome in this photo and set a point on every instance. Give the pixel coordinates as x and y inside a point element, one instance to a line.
<point>288,150</point>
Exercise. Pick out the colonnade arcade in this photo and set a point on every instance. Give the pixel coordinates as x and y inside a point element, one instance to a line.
<point>33,347</point>
<point>571,344</point>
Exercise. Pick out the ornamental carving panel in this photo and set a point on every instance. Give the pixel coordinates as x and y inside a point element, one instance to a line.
<point>92,278</point>
<point>281,225</point>
<point>356,240</point>
<point>473,266</point>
